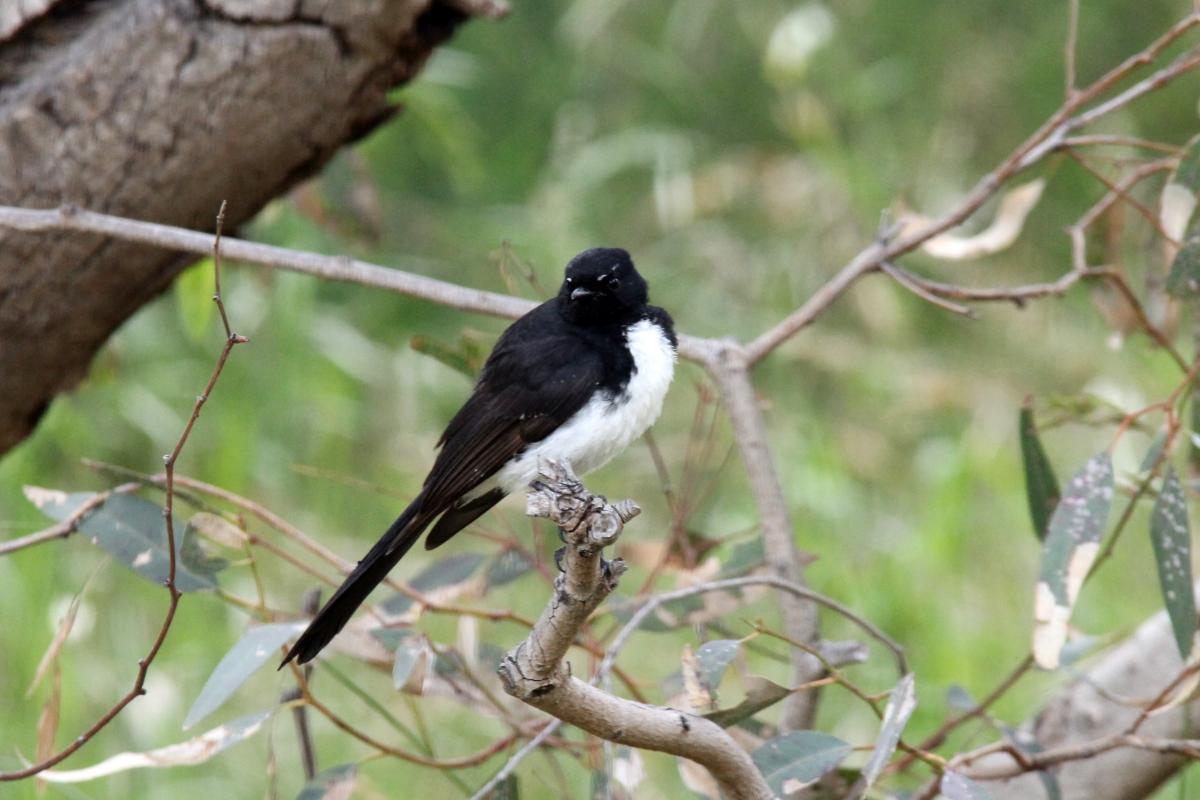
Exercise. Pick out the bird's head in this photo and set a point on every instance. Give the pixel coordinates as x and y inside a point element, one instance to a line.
<point>602,286</point>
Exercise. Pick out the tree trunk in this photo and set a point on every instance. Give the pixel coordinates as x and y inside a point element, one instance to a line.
<point>159,110</point>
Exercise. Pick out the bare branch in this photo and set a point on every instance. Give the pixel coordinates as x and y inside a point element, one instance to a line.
<point>534,671</point>
<point>143,664</point>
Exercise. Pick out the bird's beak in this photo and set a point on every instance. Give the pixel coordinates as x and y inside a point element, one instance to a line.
<point>580,292</point>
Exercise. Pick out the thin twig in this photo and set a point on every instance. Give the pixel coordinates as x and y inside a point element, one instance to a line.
<point>138,688</point>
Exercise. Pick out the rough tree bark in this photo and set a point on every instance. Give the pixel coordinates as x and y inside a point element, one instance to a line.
<point>159,110</point>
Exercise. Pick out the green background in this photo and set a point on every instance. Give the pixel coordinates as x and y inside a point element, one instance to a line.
<point>740,183</point>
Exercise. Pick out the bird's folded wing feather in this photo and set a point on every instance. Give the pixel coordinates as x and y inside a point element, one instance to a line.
<point>527,389</point>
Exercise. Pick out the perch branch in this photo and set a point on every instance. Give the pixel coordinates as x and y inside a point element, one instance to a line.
<point>535,673</point>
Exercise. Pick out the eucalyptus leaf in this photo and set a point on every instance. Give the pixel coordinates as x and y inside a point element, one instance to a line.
<point>798,759</point>
<point>1041,484</point>
<point>713,659</point>
<point>506,568</point>
<point>1072,543</point>
<point>133,532</point>
<point>900,707</point>
<point>447,574</point>
<point>760,693</point>
<point>1172,541</point>
<point>255,648</point>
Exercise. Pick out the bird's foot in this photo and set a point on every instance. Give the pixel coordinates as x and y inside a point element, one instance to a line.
<point>559,554</point>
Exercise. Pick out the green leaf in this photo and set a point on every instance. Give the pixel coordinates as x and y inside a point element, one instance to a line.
<point>132,531</point>
<point>411,665</point>
<point>745,557</point>
<point>959,787</point>
<point>1173,553</point>
<point>1041,485</point>
<point>506,568</point>
<point>335,783</point>
<point>448,574</point>
<point>1071,546</point>
<point>798,759</point>
<point>900,707</point>
<point>714,658</point>
<point>254,649</point>
<point>1184,278</point>
<point>1154,453</point>
<point>193,298</point>
<point>1187,174</point>
<point>760,693</point>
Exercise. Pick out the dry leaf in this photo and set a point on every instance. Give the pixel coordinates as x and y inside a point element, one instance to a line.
<point>1004,230</point>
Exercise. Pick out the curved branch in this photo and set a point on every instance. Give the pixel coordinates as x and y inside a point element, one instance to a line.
<point>535,673</point>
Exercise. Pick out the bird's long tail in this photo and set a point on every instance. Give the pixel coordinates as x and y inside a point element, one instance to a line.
<point>373,568</point>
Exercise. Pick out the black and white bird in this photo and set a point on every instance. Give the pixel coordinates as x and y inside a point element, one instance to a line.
<point>577,378</point>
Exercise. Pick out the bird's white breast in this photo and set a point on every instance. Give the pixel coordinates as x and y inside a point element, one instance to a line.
<point>606,425</point>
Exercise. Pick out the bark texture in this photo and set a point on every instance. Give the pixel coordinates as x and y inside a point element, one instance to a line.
<point>159,110</point>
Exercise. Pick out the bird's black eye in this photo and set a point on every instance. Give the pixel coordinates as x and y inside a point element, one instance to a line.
<point>613,283</point>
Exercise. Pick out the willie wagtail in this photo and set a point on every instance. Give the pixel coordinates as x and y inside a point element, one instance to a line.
<point>577,378</point>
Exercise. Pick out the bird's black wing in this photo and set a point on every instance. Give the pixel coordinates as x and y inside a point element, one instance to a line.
<point>536,378</point>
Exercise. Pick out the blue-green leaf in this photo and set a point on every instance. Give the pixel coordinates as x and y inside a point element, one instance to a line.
<point>254,649</point>
<point>798,759</point>
<point>1172,540</point>
<point>1071,546</point>
<point>900,707</point>
<point>713,659</point>
<point>133,531</point>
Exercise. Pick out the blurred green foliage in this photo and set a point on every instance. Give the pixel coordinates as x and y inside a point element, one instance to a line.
<point>742,162</point>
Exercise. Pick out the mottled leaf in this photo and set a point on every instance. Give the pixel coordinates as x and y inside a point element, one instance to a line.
<point>900,707</point>
<point>133,531</point>
<point>1071,545</point>
<point>1173,552</point>
<point>508,566</point>
<point>714,658</point>
<point>798,759</point>
<point>442,579</point>
<point>698,696</point>
<point>335,783</point>
<point>1184,278</point>
<point>253,650</point>
<point>760,693</point>
<point>1041,485</point>
<point>959,787</point>
<point>411,666</point>
<point>193,751</point>
<point>1178,202</point>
